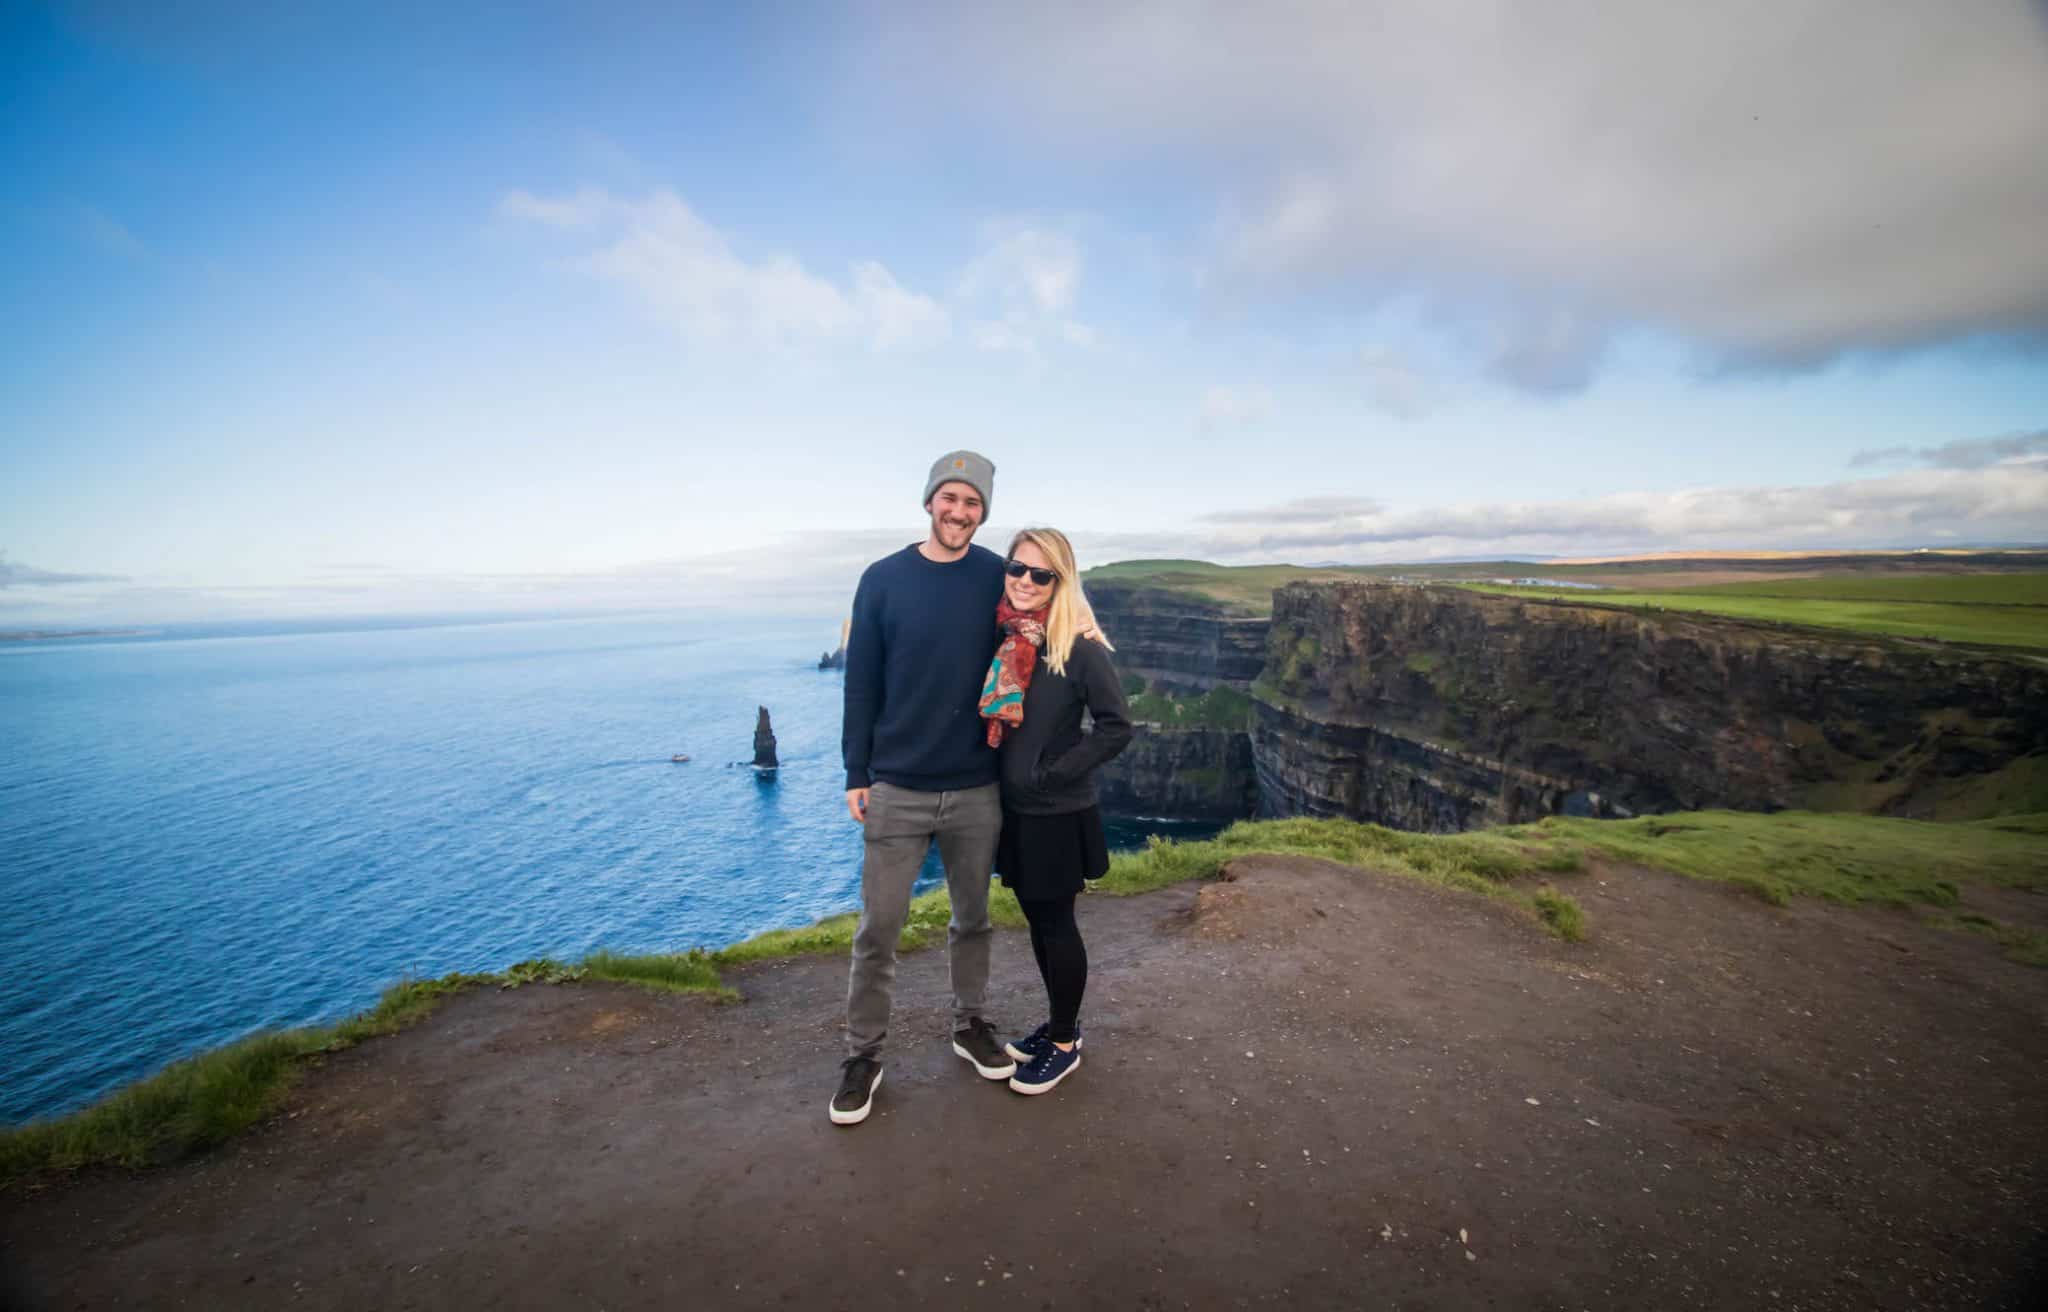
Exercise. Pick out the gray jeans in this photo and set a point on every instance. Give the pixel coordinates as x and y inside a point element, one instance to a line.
<point>901,824</point>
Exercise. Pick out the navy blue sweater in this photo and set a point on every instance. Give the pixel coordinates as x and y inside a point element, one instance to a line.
<point>922,638</point>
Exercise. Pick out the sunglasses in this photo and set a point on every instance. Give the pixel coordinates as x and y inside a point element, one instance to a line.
<point>1017,569</point>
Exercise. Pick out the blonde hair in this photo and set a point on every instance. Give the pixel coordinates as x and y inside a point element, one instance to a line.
<point>1069,615</point>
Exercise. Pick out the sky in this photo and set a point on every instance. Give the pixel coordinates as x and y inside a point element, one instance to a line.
<point>374,308</point>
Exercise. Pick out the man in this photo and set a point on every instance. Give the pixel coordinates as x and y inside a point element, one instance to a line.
<point>919,768</point>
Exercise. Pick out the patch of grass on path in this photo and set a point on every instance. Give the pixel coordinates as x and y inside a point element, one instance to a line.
<point>1840,858</point>
<point>2027,946</point>
<point>671,972</point>
<point>1486,862</point>
<point>193,1104</point>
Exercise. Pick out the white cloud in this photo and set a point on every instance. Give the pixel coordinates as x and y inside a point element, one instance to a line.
<point>1025,279</point>
<point>1965,453</point>
<point>688,271</point>
<point>1034,266</point>
<point>1005,335</point>
<point>815,572</point>
<point>586,207</point>
<point>1775,183</point>
<point>1393,384</point>
<point>1232,407</point>
<point>2002,504</point>
<point>899,317</point>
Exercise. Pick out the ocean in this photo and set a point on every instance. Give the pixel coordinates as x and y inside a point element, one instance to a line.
<point>207,832</point>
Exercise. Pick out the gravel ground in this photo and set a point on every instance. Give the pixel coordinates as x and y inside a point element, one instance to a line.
<point>1304,1086</point>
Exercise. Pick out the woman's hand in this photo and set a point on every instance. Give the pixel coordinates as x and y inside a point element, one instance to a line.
<point>857,805</point>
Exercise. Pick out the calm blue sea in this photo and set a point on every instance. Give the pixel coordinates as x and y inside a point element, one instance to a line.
<point>201,836</point>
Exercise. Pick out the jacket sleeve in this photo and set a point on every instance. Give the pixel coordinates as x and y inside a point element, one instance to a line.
<point>1103,694</point>
<point>863,681</point>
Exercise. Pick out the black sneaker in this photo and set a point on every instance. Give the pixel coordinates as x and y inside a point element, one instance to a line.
<point>857,1082</point>
<point>977,1043</point>
<point>1047,1069</point>
<point>1026,1049</point>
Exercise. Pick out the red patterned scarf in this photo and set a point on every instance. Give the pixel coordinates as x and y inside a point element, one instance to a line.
<point>1009,674</point>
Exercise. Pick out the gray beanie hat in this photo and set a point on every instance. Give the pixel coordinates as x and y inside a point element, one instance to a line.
<point>969,467</point>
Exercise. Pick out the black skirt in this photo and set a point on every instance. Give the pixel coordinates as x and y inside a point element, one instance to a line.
<point>1048,856</point>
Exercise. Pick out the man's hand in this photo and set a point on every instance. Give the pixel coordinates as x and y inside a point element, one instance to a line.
<point>857,805</point>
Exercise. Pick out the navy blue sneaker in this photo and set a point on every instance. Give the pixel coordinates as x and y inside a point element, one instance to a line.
<point>1047,1069</point>
<point>1027,1049</point>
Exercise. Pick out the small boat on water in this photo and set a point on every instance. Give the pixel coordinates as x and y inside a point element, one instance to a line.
<point>679,758</point>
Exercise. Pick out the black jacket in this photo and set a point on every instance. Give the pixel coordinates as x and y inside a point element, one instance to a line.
<point>1048,763</point>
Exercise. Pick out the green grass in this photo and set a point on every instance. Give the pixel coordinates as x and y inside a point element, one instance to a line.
<point>2015,588</point>
<point>1222,707</point>
<point>1241,590</point>
<point>1872,578</point>
<point>2027,946</point>
<point>2002,625</point>
<point>1486,862</point>
<point>193,1104</point>
<point>1836,857</point>
<point>671,972</point>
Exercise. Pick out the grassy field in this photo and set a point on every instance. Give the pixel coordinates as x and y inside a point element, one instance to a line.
<point>1222,707</point>
<point>1245,590</point>
<point>1841,858</point>
<point>1877,592</point>
<point>1997,624</point>
<point>2005,588</point>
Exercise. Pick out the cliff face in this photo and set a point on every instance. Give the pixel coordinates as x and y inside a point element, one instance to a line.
<point>1442,709</point>
<point>1182,774</point>
<point>1180,644</point>
<point>1176,642</point>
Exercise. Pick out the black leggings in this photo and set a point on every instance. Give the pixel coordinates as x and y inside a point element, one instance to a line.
<point>1062,961</point>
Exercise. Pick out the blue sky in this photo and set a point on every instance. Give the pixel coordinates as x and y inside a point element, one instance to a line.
<point>357,310</point>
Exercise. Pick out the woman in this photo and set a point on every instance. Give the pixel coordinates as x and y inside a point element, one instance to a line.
<point>1044,675</point>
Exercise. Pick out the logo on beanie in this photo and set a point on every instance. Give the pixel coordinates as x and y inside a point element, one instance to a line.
<point>959,464</point>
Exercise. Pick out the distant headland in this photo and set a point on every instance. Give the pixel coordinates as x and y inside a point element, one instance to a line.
<point>52,635</point>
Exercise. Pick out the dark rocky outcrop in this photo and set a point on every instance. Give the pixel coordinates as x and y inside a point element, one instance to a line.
<point>1178,642</point>
<point>764,743</point>
<point>1441,709</point>
<point>1182,774</point>
<point>836,658</point>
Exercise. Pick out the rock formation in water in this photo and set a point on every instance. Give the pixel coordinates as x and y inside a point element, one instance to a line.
<point>764,743</point>
<point>836,658</point>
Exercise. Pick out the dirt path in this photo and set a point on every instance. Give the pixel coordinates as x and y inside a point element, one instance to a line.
<point>1306,1087</point>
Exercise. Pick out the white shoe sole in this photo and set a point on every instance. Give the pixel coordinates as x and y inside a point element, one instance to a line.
<point>1023,1057</point>
<point>860,1113</point>
<point>1050,1084</point>
<point>985,1072</point>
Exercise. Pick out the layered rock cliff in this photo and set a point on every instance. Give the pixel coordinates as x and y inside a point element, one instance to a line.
<point>1434,708</point>
<point>1171,642</point>
<point>1177,642</point>
<point>1182,774</point>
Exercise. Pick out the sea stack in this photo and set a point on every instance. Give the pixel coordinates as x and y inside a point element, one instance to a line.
<point>764,743</point>
<point>836,659</point>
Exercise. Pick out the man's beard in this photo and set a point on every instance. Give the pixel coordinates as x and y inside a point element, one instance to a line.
<point>952,532</point>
